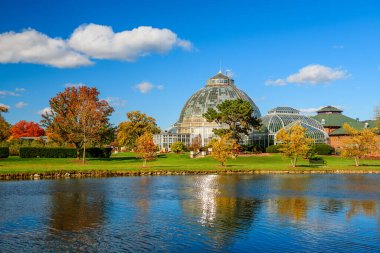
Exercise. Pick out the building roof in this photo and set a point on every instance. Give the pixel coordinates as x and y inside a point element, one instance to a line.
<point>355,124</point>
<point>333,120</point>
<point>329,109</point>
<point>284,109</point>
<point>211,95</point>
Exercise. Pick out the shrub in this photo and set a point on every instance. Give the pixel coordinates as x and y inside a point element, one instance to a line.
<point>273,149</point>
<point>323,149</point>
<point>178,147</point>
<point>4,152</point>
<point>33,152</point>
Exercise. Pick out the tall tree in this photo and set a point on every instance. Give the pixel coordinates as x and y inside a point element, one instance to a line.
<point>223,148</point>
<point>145,147</point>
<point>294,142</point>
<point>26,129</point>
<point>236,114</point>
<point>4,125</point>
<point>77,116</point>
<point>359,144</point>
<point>136,125</point>
<point>377,116</point>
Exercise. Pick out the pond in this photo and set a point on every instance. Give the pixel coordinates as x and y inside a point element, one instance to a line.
<point>215,213</point>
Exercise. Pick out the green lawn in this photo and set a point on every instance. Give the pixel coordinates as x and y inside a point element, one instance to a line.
<point>172,162</point>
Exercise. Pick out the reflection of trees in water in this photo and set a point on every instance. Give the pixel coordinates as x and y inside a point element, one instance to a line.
<point>367,207</point>
<point>214,201</point>
<point>332,206</point>
<point>294,208</point>
<point>77,211</point>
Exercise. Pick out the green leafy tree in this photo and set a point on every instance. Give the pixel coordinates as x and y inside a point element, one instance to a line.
<point>236,114</point>
<point>4,125</point>
<point>223,148</point>
<point>178,147</point>
<point>136,125</point>
<point>294,143</point>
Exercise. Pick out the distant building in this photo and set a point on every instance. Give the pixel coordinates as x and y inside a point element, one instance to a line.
<point>286,117</point>
<point>191,123</point>
<point>332,120</point>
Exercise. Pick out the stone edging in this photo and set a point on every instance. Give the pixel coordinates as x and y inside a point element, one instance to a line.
<point>86,174</point>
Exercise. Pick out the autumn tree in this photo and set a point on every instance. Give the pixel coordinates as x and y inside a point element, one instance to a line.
<point>145,147</point>
<point>4,125</point>
<point>77,116</point>
<point>137,124</point>
<point>26,129</point>
<point>294,142</point>
<point>236,114</point>
<point>178,147</point>
<point>377,116</point>
<point>196,144</point>
<point>359,144</point>
<point>223,148</point>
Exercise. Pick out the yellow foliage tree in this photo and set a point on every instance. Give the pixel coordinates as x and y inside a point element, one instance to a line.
<point>361,143</point>
<point>145,147</point>
<point>294,142</point>
<point>223,148</point>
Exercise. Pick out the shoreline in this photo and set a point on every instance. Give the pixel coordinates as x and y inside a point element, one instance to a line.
<point>104,174</point>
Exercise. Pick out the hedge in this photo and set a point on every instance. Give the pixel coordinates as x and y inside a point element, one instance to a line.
<point>273,149</point>
<point>323,149</point>
<point>4,152</point>
<point>33,152</point>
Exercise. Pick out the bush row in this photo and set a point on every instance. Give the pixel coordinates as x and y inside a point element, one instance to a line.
<point>4,152</point>
<point>318,149</point>
<point>33,152</point>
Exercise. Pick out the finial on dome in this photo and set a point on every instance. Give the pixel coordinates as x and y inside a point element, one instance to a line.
<point>220,67</point>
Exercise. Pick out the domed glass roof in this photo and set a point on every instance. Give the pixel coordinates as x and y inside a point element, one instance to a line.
<point>218,89</point>
<point>285,117</point>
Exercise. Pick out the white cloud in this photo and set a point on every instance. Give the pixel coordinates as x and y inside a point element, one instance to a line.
<point>338,46</point>
<point>20,89</point>
<point>309,111</point>
<point>116,102</point>
<point>44,111</point>
<point>76,85</point>
<point>312,74</point>
<point>20,105</point>
<point>277,82</point>
<point>31,46</point>
<point>6,106</point>
<point>101,42</point>
<point>8,93</point>
<point>146,87</point>
<point>87,41</point>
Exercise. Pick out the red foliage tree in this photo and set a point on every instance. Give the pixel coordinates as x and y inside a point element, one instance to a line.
<point>26,129</point>
<point>77,116</point>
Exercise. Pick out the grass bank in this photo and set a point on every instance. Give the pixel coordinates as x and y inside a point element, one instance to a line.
<point>128,164</point>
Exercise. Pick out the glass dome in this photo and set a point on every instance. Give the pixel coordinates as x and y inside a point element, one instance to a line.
<point>285,117</point>
<point>218,89</point>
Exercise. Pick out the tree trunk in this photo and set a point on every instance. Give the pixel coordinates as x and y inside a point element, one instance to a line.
<point>356,161</point>
<point>78,152</point>
<point>295,162</point>
<point>144,163</point>
<point>84,153</point>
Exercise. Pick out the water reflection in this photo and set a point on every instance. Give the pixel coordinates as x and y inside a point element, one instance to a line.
<point>234,213</point>
<point>215,202</point>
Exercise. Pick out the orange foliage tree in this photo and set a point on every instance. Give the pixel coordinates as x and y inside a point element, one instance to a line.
<point>77,116</point>
<point>145,147</point>
<point>26,129</point>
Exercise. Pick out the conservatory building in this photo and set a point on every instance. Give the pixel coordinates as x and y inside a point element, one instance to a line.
<point>191,123</point>
<point>286,117</point>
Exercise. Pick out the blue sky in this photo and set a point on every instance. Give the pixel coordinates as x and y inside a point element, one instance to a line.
<point>304,54</point>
